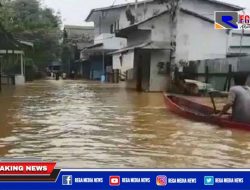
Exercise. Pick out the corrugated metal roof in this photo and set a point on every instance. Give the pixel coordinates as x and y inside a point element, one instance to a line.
<point>152,45</point>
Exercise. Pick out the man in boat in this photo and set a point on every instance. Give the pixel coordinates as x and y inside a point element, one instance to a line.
<point>239,100</point>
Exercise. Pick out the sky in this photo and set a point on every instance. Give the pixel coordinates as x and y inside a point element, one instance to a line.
<point>74,12</point>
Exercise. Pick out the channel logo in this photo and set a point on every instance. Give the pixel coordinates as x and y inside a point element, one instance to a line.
<point>226,20</point>
<point>67,180</point>
<point>231,20</point>
<point>209,180</point>
<point>161,180</point>
<point>114,181</point>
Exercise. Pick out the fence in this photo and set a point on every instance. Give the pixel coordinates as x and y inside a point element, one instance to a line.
<point>218,72</point>
<point>7,79</point>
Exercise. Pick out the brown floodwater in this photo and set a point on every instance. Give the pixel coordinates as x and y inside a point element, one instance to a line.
<point>91,125</point>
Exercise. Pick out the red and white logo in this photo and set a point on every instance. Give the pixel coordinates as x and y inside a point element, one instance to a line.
<point>114,181</point>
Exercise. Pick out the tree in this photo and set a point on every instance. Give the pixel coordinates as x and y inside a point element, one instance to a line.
<point>27,20</point>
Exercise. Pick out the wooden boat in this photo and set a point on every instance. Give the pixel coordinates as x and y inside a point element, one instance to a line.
<point>199,112</point>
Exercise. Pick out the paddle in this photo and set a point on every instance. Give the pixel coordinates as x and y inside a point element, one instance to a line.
<point>213,102</point>
<point>212,95</point>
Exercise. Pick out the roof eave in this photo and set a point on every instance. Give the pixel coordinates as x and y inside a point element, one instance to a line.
<point>123,33</point>
<point>235,7</point>
<point>89,15</point>
<point>197,15</point>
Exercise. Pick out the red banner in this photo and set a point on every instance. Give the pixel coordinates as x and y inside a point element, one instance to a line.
<point>26,168</point>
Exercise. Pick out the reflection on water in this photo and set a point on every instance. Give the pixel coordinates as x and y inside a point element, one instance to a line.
<point>92,125</point>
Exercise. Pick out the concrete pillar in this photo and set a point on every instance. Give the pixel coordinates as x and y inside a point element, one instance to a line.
<point>136,11</point>
<point>22,65</point>
<point>103,77</point>
<point>103,62</point>
<point>20,79</point>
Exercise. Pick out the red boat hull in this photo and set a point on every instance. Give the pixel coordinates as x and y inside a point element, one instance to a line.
<point>199,112</point>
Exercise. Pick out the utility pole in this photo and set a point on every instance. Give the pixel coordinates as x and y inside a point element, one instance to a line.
<point>174,12</point>
<point>136,11</point>
<point>241,41</point>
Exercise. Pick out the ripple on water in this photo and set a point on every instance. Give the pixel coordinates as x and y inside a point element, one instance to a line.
<point>87,124</point>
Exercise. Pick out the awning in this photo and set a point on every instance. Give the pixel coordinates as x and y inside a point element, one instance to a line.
<point>95,46</point>
<point>153,45</point>
<point>96,49</point>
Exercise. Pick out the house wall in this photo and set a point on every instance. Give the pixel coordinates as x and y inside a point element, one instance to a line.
<point>127,61</point>
<point>138,37</point>
<point>145,11</point>
<point>160,31</point>
<point>158,82</point>
<point>150,9</point>
<point>110,41</point>
<point>104,19</point>
<point>197,40</point>
<point>152,80</point>
<point>159,27</point>
<point>102,32</point>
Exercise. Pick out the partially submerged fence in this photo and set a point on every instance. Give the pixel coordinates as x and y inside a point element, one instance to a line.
<point>218,72</point>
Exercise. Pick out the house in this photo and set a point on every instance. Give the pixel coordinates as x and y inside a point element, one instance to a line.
<point>12,54</point>
<point>77,38</point>
<point>161,35</point>
<point>97,61</point>
<point>107,21</point>
<point>175,36</point>
<point>97,58</point>
<point>147,55</point>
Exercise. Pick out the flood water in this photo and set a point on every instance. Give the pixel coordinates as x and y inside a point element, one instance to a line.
<point>91,125</point>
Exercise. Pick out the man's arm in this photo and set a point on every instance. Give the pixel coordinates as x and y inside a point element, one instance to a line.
<point>230,102</point>
<point>225,109</point>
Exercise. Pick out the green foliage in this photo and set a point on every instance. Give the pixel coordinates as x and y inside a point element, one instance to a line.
<point>27,20</point>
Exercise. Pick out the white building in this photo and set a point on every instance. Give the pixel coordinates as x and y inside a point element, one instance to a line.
<point>191,38</point>
<point>156,38</point>
<point>98,62</point>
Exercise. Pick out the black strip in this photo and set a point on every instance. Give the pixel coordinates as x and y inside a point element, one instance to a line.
<point>51,178</point>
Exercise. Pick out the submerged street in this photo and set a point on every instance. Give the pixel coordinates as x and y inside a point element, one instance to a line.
<point>93,125</point>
